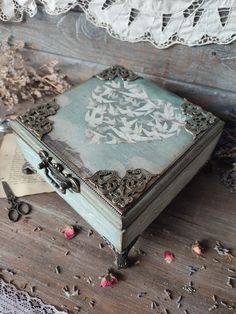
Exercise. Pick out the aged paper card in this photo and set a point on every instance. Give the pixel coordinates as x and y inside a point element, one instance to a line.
<point>11,162</point>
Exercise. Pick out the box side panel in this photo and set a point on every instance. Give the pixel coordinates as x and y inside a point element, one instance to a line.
<point>171,174</point>
<point>157,205</point>
<point>104,220</point>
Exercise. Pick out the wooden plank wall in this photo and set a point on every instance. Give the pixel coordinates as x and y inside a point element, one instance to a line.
<point>205,75</point>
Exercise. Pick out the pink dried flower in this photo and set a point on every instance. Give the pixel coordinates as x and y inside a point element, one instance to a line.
<point>169,257</point>
<point>69,232</point>
<point>108,280</point>
<point>197,248</point>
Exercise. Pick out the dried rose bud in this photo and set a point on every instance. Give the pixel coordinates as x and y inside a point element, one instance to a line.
<point>69,232</point>
<point>169,257</point>
<point>108,280</point>
<point>197,248</point>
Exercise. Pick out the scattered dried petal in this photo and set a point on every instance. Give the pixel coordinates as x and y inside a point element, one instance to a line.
<point>197,248</point>
<point>69,232</point>
<point>169,257</point>
<point>108,279</point>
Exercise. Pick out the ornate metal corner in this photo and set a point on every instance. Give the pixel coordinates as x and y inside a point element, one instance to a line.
<point>121,191</point>
<point>36,121</point>
<point>117,71</point>
<point>198,120</point>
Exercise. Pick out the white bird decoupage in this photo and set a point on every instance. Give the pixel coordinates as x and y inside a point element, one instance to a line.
<point>162,22</point>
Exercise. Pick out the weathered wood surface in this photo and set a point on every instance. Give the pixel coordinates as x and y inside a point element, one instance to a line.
<point>205,75</point>
<point>204,211</point>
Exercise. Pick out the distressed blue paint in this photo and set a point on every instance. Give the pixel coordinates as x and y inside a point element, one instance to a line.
<point>154,156</point>
<point>67,141</point>
<point>97,219</point>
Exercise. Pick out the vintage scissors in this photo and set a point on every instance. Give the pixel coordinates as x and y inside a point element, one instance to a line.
<point>17,208</point>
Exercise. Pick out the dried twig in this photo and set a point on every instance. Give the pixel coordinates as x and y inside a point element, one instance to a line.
<point>221,250</point>
<point>189,288</point>
<point>57,269</point>
<point>168,294</point>
<point>21,82</point>
<point>66,290</point>
<point>154,305</point>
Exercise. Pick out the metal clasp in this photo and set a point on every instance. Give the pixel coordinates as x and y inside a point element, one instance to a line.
<point>55,173</point>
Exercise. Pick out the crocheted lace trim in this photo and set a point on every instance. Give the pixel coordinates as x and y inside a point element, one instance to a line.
<point>15,301</point>
<point>161,22</point>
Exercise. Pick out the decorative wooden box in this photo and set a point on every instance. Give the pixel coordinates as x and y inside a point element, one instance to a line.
<point>118,149</point>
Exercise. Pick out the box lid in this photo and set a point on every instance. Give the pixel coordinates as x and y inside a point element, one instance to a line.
<point>118,132</point>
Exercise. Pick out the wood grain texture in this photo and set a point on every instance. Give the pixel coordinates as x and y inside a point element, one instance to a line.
<point>204,211</point>
<point>205,75</point>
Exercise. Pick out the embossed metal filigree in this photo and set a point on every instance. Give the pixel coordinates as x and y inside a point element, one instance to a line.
<point>121,191</point>
<point>117,71</point>
<point>36,121</point>
<point>197,119</point>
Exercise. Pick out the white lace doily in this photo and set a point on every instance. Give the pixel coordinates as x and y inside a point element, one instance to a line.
<point>162,22</point>
<point>14,301</point>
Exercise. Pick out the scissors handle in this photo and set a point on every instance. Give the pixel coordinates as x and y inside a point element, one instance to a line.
<point>23,208</point>
<point>17,210</point>
<point>14,215</point>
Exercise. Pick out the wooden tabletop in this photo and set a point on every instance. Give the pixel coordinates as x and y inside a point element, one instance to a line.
<point>203,211</point>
